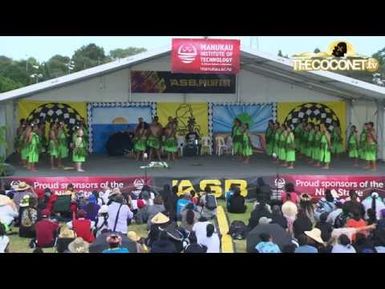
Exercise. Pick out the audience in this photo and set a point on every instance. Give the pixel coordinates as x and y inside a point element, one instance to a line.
<point>304,246</point>
<point>82,226</point>
<point>210,240</point>
<point>193,246</point>
<point>28,219</point>
<point>46,231</point>
<point>301,224</point>
<point>266,245</point>
<point>114,242</point>
<point>344,245</point>
<point>277,217</point>
<point>119,215</point>
<point>189,217</point>
<point>66,236</point>
<point>163,244</point>
<point>78,246</point>
<point>325,227</point>
<point>182,203</point>
<point>237,203</point>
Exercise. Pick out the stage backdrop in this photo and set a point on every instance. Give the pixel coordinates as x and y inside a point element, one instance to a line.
<point>69,112</point>
<point>328,113</point>
<point>184,111</point>
<point>109,118</point>
<point>256,115</point>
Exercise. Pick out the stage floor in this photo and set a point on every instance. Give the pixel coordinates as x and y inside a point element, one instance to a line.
<point>206,166</point>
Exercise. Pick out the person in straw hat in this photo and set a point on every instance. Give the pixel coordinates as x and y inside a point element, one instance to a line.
<point>78,246</point>
<point>22,189</point>
<point>158,223</point>
<point>66,236</point>
<point>140,245</point>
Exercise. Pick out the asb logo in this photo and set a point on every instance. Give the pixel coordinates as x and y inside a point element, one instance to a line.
<point>279,183</point>
<point>187,53</point>
<point>138,184</point>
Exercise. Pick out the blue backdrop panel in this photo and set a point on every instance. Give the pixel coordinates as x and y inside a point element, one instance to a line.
<point>257,115</point>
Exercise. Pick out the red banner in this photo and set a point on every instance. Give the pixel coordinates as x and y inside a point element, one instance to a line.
<point>205,56</point>
<point>84,184</point>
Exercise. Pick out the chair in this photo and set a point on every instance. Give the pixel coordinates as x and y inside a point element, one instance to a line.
<point>181,143</point>
<point>220,145</point>
<point>206,144</point>
<point>229,145</point>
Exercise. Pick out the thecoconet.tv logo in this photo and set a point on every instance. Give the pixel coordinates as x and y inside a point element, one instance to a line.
<point>340,56</point>
<point>187,53</point>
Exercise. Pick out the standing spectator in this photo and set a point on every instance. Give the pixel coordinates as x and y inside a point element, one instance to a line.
<point>344,245</point>
<point>28,219</point>
<point>375,203</point>
<point>278,218</point>
<point>200,228</point>
<point>266,245</point>
<point>114,244</point>
<point>325,227</point>
<point>82,226</point>
<point>101,221</point>
<point>78,246</point>
<point>237,203</point>
<point>301,224</point>
<point>304,246</point>
<point>119,215</point>
<point>189,217</point>
<point>290,211</point>
<point>289,194</point>
<point>182,203</point>
<point>210,240</point>
<point>46,231</point>
<point>306,204</point>
<point>91,208</point>
<point>163,245</point>
<point>4,240</point>
<point>193,246</point>
<point>8,212</point>
<point>66,236</point>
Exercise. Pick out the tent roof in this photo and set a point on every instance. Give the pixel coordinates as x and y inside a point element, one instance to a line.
<point>254,61</point>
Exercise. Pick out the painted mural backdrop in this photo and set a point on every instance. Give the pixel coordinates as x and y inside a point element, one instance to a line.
<point>185,112</point>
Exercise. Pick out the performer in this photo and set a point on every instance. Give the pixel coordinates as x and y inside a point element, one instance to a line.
<point>371,153</point>
<point>154,136</point>
<point>140,140</point>
<point>325,144</point>
<point>290,148</point>
<point>304,137</point>
<point>19,136</point>
<point>80,151</point>
<point>310,142</point>
<point>33,148</point>
<point>363,144</point>
<point>268,137</point>
<point>53,146</point>
<point>282,145</point>
<point>236,135</point>
<point>170,144</point>
<point>316,145</point>
<point>24,146</point>
<point>336,139</point>
<point>246,148</point>
<point>43,140</point>
<point>63,144</point>
<point>298,130</point>
<point>353,144</point>
<point>275,137</point>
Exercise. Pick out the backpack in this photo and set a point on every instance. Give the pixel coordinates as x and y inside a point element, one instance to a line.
<point>26,220</point>
<point>340,221</point>
<point>238,230</point>
<point>211,202</point>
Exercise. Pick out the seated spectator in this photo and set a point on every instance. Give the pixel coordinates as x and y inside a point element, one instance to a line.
<point>356,222</point>
<point>209,203</point>
<point>325,205</point>
<point>140,242</point>
<point>333,214</point>
<point>82,226</point>
<point>4,240</point>
<point>325,227</point>
<point>194,198</point>
<point>43,200</point>
<point>229,194</point>
<point>119,215</point>
<point>163,245</point>
<point>114,242</point>
<point>266,245</point>
<point>91,208</point>
<point>210,240</point>
<point>78,246</point>
<point>152,210</point>
<point>353,204</point>
<point>158,223</point>
<point>8,212</point>
<point>200,228</point>
<point>289,194</point>
<point>315,239</point>
<point>374,201</point>
<point>182,203</point>
<point>46,231</point>
<point>100,244</point>
<point>362,244</point>
<point>66,236</point>
<point>261,210</point>
<point>28,219</point>
<point>278,218</point>
<point>344,245</point>
<point>301,224</point>
<point>379,241</point>
<point>20,191</point>
<point>189,217</point>
<point>193,246</point>
<point>24,203</point>
<point>237,203</point>
<point>290,248</point>
<point>101,221</point>
<point>304,246</point>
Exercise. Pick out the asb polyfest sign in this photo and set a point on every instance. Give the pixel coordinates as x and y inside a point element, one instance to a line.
<point>205,56</point>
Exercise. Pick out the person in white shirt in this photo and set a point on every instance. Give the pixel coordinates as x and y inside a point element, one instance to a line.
<point>210,240</point>
<point>8,212</point>
<point>200,228</point>
<point>334,214</point>
<point>119,215</point>
<point>344,245</point>
<point>374,202</point>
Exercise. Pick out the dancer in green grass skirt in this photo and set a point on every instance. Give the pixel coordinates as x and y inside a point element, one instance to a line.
<point>170,144</point>
<point>282,145</point>
<point>371,152</point>
<point>154,135</point>
<point>325,154</point>
<point>336,139</point>
<point>19,137</point>
<point>275,138</point>
<point>304,137</point>
<point>236,135</point>
<point>363,143</point>
<point>140,141</point>
<point>353,144</point>
<point>53,145</point>
<point>290,148</point>
<point>80,151</point>
<point>316,146</point>
<point>297,135</point>
<point>24,145</point>
<point>33,148</point>
<point>310,142</point>
<point>63,143</point>
<point>269,138</point>
<point>247,149</point>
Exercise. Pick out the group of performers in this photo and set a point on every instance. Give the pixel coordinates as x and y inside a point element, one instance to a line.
<point>317,145</point>
<point>32,141</point>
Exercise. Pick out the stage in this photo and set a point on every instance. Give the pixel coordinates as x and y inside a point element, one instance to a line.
<point>203,166</point>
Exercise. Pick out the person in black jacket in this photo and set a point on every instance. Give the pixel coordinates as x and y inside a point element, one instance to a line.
<point>163,245</point>
<point>277,217</point>
<point>353,205</point>
<point>261,210</point>
<point>325,227</point>
<point>194,247</point>
<point>301,224</point>
<point>263,191</point>
<point>237,203</point>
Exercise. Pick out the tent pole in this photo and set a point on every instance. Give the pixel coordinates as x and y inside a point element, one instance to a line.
<point>129,86</point>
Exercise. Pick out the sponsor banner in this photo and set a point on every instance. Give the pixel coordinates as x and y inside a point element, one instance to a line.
<point>84,184</point>
<point>167,82</point>
<point>205,56</point>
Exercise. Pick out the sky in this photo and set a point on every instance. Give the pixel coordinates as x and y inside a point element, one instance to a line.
<point>42,48</point>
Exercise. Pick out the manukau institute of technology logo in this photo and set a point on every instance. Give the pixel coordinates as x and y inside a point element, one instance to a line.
<point>187,53</point>
<point>340,56</point>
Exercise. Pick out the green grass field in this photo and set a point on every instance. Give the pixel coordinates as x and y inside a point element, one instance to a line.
<point>21,245</point>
